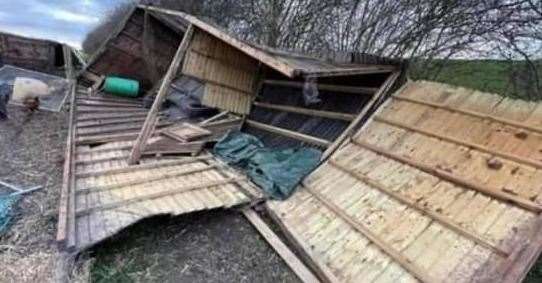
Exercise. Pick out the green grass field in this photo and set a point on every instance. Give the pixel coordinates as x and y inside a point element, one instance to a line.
<point>493,76</point>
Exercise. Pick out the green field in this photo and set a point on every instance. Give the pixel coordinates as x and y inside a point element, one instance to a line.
<point>502,77</point>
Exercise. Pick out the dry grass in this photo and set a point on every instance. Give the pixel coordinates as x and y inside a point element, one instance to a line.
<point>32,152</point>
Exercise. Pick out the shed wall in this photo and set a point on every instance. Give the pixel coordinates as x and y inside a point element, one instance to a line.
<point>32,54</point>
<point>229,74</point>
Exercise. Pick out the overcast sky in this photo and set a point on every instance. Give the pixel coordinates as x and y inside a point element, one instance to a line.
<point>66,21</point>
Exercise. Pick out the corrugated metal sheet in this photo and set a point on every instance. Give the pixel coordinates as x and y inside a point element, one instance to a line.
<point>442,185</point>
<point>229,74</point>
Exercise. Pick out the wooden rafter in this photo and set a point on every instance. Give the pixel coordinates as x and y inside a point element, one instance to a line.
<point>290,134</point>
<point>152,118</point>
<point>307,111</point>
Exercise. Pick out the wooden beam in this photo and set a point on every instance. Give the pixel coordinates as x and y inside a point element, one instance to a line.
<point>153,196</point>
<point>384,246</point>
<point>506,197</point>
<point>527,161</point>
<point>96,110</point>
<point>91,103</point>
<point>301,246</point>
<point>307,111</point>
<point>365,70</point>
<point>98,139</point>
<point>65,210</point>
<point>150,123</point>
<point>100,130</point>
<point>471,113</point>
<point>440,218</point>
<point>168,175</point>
<point>214,118</point>
<point>296,265</point>
<point>110,122</point>
<point>106,116</point>
<point>325,87</point>
<point>141,167</point>
<point>347,133</point>
<point>290,134</point>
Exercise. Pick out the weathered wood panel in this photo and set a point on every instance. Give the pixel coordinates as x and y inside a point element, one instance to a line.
<point>446,190</point>
<point>32,54</point>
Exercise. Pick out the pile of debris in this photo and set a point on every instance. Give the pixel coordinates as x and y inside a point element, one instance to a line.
<point>369,178</point>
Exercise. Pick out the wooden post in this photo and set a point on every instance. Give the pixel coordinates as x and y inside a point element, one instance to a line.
<point>150,122</point>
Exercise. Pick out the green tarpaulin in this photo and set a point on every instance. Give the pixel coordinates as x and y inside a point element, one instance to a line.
<point>276,171</point>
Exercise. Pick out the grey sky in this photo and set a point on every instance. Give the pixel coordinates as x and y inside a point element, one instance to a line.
<point>66,21</point>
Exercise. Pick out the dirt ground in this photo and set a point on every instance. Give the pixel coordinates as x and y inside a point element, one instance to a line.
<point>32,153</point>
<point>204,247</point>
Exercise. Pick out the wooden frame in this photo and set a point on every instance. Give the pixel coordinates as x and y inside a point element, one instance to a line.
<point>290,134</point>
<point>150,123</point>
<point>325,87</point>
<point>307,111</point>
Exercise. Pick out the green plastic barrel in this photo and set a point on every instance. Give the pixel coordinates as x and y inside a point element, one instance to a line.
<point>121,87</point>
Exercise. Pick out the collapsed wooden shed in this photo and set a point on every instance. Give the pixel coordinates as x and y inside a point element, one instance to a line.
<point>437,184</point>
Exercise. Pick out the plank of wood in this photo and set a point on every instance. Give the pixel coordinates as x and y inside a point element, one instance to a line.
<point>365,70</point>
<point>470,113</point>
<point>106,116</point>
<point>150,123</point>
<point>442,219</point>
<point>64,205</point>
<point>186,132</point>
<point>521,202</point>
<point>141,167</point>
<point>384,89</point>
<point>307,111</point>
<point>150,179</point>
<point>102,130</point>
<point>325,87</point>
<point>387,248</point>
<point>288,133</point>
<point>534,163</point>
<point>152,196</point>
<point>297,266</point>
<point>214,118</point>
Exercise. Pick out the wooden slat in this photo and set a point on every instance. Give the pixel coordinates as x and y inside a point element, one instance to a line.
<point>152,196</point>
<point>384,89</point>
<point>150,179</point>
<point>526,204</point>
<point>471,113</point>
<point>297,266</point>
<point>448,138</point>
<point>291,134</point>
<point>307,111</point>
<point>65,205</point>
<point>150,123</point>
<point>141,167</point>
<point>442,219</point>
<point>384,246</point>
<point>325,87</point>
<point>111,116</point>
<point>304,250</point>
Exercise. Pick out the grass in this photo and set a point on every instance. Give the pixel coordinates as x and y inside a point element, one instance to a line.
<point>494,76</point>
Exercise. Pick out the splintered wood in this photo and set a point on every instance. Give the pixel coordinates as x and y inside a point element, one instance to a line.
<point>103,194</point>
<point>441,185</point>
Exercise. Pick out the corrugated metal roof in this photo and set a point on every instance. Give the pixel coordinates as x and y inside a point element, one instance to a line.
<point>442,185</point>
